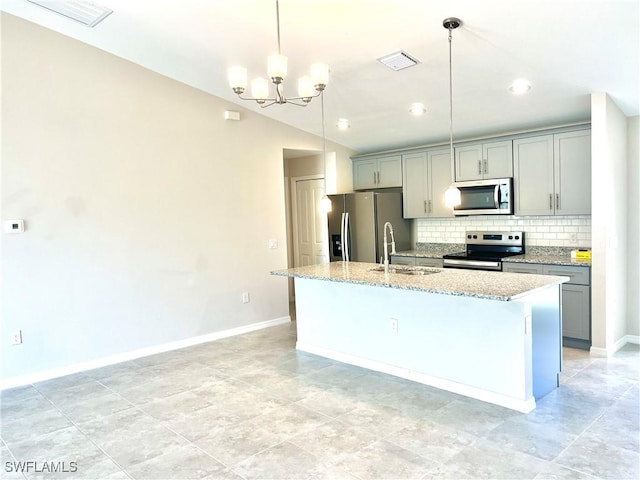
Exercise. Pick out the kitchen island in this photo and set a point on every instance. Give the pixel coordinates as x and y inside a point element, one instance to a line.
<point>492,336</point>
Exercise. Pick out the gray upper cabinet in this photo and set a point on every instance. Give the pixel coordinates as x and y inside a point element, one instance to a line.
<point>533,175</point>
<point>484,160</point>
<point>572,152</point>
<point>552,174</point>
<point>426,176</point>
<point>378,172</point>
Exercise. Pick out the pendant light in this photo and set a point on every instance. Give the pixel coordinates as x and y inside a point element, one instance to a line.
<point>452,195</point>
<point>325,201</point>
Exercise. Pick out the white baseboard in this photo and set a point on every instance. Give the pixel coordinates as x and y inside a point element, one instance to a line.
<point>524,406</point>
<point>132,355</point>
<point>633,339</point>
<point>608,352</point>
<point>600,352</point>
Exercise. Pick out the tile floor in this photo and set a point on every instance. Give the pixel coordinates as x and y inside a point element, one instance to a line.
<point>252,407</point>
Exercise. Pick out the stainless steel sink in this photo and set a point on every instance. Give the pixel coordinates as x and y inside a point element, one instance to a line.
<point>407,270</point>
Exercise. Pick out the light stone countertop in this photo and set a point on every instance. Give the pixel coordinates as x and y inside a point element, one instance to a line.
<point>432,253</point>
<point>564,260</point>
<point>546,255</point>
<point>448,281</point>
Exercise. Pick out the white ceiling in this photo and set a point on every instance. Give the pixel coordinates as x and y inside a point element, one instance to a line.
<point>566,48</point>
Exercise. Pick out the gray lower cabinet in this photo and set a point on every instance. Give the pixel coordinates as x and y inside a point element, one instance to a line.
<point>402,260</point>
<point>576,299</point>
<point>429,262</point>
<point>575,312</point>
<point>419,261</point>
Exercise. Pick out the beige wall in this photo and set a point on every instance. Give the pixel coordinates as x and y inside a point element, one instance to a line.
<point>147,213</point>
<point>303,166</point>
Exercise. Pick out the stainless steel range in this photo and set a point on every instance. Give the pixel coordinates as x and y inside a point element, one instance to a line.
<point>485,250</point>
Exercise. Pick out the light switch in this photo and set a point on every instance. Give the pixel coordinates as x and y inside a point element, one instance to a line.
<point>14,226</point>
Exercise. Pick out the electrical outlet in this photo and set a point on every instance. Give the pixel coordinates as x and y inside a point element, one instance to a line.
<point>394,325</point>
<point>16,337</point>
<point>273,244</point>
<point>245,297</point>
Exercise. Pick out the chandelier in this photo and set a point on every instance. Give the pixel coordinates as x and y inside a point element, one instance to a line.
<point>308,86</point>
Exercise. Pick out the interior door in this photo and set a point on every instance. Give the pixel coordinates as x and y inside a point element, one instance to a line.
<point>311,224</point>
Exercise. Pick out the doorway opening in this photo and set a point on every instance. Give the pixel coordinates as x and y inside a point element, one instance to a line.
<point>307,238</point>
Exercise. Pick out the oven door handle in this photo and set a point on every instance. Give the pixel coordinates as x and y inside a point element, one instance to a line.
<point>471,263</point>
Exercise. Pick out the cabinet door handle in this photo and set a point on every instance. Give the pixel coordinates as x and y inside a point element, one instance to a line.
<point>425,206</point>
<point>430,209</point>
<point>550,201</point>
<point>378,182</point>
<point>479,167</point>
<point>486,166</point>
<point>557,201</point>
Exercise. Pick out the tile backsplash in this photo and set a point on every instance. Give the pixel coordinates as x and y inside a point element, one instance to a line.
<point>562,231</point>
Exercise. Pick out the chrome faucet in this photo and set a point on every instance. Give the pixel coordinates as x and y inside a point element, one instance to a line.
<point>386,245</point>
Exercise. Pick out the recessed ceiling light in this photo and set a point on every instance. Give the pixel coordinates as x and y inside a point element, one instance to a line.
<point>343,124</point>
<point>520,86</point>
<point>417,109</point>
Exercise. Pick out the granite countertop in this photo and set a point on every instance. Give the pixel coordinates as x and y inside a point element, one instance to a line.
<point>501,286</point>
<point>432,250</point>
<point>535,254</point>
<point>564,260</point>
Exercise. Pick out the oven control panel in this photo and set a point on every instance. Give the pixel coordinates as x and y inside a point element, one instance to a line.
<point>495,238</point>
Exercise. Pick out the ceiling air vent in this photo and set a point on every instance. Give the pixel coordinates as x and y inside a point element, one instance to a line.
<point>87,13</point>
<point>398,60</point>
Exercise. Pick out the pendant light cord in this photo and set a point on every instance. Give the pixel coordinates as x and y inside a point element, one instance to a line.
<point>450,98</point>
<point>324,144</point>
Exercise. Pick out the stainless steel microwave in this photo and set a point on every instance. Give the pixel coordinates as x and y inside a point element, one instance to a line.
<point>492,196</point>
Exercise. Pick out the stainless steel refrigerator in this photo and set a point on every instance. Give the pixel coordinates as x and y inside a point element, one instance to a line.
<point>357,220</point>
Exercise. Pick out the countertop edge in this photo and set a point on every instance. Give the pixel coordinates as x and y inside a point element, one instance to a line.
<point>552,280</point>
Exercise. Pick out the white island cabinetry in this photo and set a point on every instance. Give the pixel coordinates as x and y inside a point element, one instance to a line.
<point>492,336</point>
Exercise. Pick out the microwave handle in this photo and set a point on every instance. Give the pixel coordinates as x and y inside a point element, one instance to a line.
<point>496,196</point>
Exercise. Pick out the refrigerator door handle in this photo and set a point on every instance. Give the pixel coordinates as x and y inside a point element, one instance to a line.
<point>346,237</point>
<point>342,235</point>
